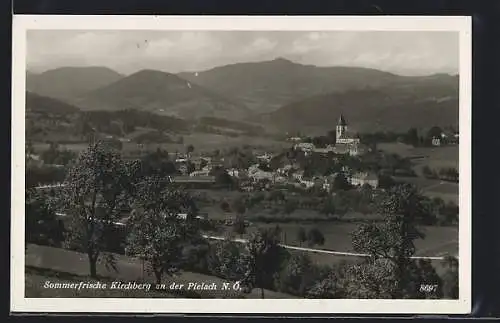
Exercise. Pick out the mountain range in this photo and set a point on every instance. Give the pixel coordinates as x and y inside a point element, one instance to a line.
<point>66,83</point>
<point>267,86</point>
<point>277,93</point>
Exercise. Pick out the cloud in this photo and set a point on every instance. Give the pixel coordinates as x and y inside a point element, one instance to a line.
<point>176,51</point>
<point>260,45</point>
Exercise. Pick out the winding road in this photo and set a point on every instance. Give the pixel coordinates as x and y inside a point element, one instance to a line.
<point>238,240</point>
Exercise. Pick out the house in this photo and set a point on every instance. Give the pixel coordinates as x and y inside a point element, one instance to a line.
<point>194,181</point>
<point>183,169</point>
<point>350,149</point>
<point>257,174</point>
<point>304,146</point>
<point>279,179</point>
<point>181,160</point>
<point>298,175</point>
<point>328,182</point>
<point>286,170</point>
<point>361,179</point>
<point>266,158</point>
<point>436,141</point>
<point>308,183</point>
<point>34,160</point>
<point>325,151</point>
<point>234,172</point>
<point>198,173</point>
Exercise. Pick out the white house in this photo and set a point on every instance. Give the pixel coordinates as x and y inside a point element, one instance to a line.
<point>203,172</point>
<point>298,175</point>
<point>436,141</point>
<point>304,146</point>
<point>360,179</point>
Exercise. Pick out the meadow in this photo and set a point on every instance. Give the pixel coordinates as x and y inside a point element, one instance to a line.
<point>60,265</point>
<point>202,142</point>
<point>448,191</point>
<point>434,157</point>
<point>439,241</point>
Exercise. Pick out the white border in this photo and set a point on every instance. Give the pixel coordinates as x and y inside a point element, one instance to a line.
<point>22,23</point>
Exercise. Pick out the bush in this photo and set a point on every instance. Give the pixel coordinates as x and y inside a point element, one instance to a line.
<point>315,237</point>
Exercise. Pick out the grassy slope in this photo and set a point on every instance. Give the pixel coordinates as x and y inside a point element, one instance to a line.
<point>130,269</point>
<point>435,158</point>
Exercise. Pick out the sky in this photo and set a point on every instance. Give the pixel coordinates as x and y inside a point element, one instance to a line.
<point>400,52</point>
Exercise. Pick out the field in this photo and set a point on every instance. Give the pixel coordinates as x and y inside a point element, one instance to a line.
<point>55,264</point>
<point>434,157</point>
<point>448,191</point>
<point>439,241</point>
<point>202,142</point>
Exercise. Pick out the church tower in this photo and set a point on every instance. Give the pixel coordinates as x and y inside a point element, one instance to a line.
<point>341,127</point>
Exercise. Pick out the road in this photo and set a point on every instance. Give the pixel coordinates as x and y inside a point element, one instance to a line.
<point>320,251</point>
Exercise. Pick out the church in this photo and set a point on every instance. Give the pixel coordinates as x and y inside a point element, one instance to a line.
<point>345,142</point>
<point>342,136</point>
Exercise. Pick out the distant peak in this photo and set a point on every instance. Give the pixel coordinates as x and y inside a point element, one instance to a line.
<point>282,60</point>
<point>148,71</point>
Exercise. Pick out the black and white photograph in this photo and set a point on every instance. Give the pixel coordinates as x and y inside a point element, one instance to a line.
<point>281,164</point>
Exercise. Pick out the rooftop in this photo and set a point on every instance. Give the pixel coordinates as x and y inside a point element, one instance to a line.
<point>365,176</point>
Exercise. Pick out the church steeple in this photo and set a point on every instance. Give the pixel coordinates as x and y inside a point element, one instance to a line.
<point>341,127</point>
<point>341,121</point>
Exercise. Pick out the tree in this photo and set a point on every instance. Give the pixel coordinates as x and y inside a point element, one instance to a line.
<point>385,181</point>
<point>50,155</point>
<point>326,288</point>
<point>42,225</point>
<point>332,136</point>
<point>239,225</point>
<point>276,196</point>
<point>157,234</point>
<point>434,132</point>
<point>427,172</point>
<point>222,178</point>
<point>96,191</point>
<point>224,205</point>
<point>450,278</point>
<point>290,206</point>
<point>412,138</point>
<point>328,206</point>
<point>390,243</point>
<point>191,167</point>
<point>301,235</point>
<point>157,163</point>
<point>239,205</point>
<point>225,260</point>
<point>340,182</point>
<point>315,237</point>
<point>263,259</point>
<point>29,148</point>
<point>298,275</point>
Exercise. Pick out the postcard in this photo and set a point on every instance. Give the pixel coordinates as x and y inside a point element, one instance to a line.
<point>241,164</point>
